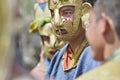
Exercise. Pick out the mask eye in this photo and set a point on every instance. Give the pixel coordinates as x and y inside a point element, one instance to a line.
<point>67,11</point>
<point>45,39</point>
<point>52,13</point>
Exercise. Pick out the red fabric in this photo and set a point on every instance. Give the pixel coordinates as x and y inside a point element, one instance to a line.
<point>67,58</point>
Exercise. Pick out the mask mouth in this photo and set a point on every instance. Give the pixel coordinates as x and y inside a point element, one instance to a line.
<point>52,52</point>
<point>61,32</point>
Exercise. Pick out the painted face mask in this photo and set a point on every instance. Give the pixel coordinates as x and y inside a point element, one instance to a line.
<point>49,43</point>
<point>65,17</point>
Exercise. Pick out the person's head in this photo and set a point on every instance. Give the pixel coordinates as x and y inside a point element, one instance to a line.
<point>103,33</point>
<point>49,42</point>
<point>67,17</point>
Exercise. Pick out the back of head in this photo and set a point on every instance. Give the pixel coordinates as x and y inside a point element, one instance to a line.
<point>112,9</point>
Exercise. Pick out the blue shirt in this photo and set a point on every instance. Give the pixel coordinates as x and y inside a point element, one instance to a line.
<point>85,63</point>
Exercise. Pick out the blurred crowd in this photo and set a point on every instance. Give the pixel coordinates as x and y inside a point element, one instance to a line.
<point>22,48</point>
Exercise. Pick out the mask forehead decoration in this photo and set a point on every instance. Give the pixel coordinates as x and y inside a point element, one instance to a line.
<point>54,3</point>
<point>58,24</point>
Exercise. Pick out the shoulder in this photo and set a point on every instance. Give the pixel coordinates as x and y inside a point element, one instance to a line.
<point>86,62</point>
<point>107,71</point>
<point>55,62</point>
<point>87,49</point>
<point>86,59</point>
<point>87,53</point>
<point>59,53</point>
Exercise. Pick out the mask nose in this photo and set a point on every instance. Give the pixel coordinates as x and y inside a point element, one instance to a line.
<point>57,19</point>
<point>52,40</point>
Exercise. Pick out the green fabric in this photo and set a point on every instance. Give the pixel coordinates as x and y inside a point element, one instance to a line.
<point>38,23</point>
<point>115,55</point>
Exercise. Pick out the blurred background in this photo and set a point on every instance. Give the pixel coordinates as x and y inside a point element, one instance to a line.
<point>19,49</point>
<point>26,44</point>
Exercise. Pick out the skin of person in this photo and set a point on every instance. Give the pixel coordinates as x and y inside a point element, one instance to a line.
<point>68,17</point>
<point>104,22</point>
<point>106,43</point>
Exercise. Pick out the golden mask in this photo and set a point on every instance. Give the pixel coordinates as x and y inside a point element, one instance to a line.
<point>49,42</point>
<point>66,28</point>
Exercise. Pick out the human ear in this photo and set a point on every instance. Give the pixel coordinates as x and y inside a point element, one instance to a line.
<point>86,8</point>
<point>107,28</point>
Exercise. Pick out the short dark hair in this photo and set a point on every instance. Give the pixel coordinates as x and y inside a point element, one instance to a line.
<point>112,9</point>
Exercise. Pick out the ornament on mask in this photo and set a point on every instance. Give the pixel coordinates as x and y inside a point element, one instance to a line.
<point>38,22</point>
<point>41,16</point>
<point>41,8</point>
<point>86,7</point>
<point>55,1</point>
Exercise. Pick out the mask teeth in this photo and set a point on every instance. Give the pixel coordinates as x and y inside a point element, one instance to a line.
<point>68,19</point>
<point>63,20</point>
